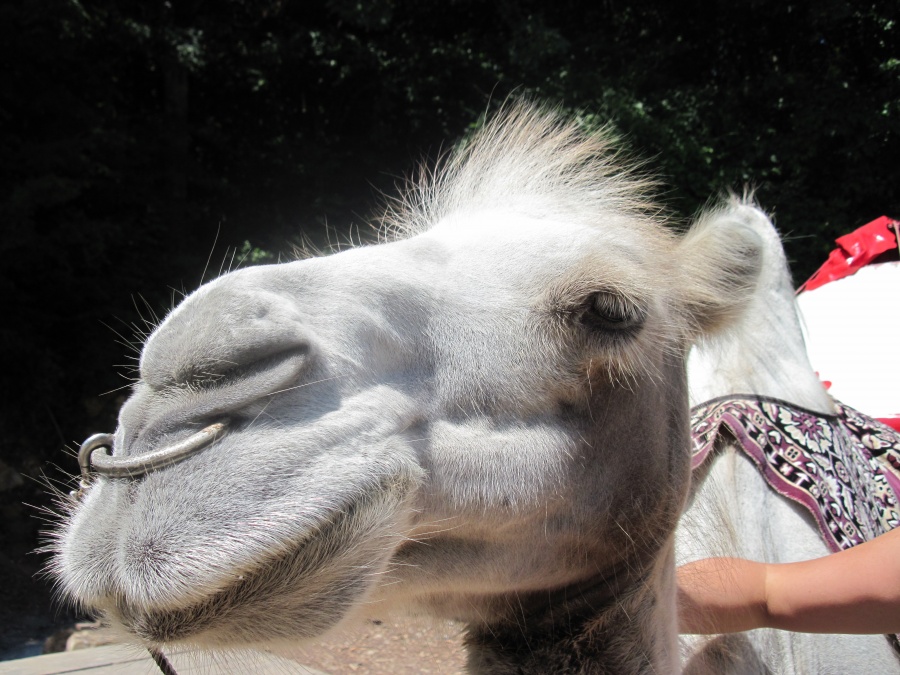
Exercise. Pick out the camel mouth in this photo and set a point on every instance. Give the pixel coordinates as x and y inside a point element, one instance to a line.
<point>316,580</point>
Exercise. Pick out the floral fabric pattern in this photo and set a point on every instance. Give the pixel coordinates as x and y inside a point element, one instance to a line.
<point>843,468</point>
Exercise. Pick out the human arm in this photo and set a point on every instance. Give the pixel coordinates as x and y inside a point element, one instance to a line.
<point>853,591</point>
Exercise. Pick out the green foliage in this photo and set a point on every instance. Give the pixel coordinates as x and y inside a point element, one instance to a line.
<point>251,255</point>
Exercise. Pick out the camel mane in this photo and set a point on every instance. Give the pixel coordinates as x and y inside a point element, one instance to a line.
<point>531,160</point>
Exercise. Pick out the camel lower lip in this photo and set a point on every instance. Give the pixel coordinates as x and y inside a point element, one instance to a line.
<point>183,624</point>
<point>239,614</point>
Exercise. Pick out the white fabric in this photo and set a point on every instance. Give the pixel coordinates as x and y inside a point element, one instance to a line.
<point>851,327</point>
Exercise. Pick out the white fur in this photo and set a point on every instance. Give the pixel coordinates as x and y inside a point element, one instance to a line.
<point>440,423</point>
<point>763,354</point>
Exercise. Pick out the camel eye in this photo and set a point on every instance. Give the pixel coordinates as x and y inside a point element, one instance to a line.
<point>610,311</point>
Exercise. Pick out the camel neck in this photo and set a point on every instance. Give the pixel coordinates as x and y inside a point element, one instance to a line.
<point>600,626</point>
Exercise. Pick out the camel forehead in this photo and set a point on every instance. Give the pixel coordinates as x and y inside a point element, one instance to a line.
<point>536,237</point>
<point>618,253</point>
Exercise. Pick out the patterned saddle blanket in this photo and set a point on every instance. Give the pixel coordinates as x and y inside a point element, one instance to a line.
<point>843,468</point>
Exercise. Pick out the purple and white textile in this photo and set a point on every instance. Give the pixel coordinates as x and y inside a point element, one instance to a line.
<point>843,468</point>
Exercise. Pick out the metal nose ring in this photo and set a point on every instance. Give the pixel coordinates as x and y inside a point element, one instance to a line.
<point>93,457</point>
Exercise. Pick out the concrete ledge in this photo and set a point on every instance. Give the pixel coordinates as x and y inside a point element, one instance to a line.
<point>120,660</point>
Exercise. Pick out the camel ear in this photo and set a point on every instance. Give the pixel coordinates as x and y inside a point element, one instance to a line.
<point>720,258</point>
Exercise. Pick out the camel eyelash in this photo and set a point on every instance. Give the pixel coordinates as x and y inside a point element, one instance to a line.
<point>611,312</point>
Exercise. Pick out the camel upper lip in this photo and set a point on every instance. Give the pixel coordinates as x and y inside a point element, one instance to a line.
<point>93,458</point>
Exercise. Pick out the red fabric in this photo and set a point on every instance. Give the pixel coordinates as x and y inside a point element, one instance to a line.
<point>892,422</point>
<point>855,250</point>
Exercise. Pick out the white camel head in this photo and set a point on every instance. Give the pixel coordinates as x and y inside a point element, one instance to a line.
<point>485,418</point>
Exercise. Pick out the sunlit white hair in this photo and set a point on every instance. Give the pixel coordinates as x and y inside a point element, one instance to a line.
<point>530,160</point>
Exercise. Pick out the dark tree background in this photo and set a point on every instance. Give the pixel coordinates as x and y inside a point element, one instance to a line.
<point>138,136</point>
